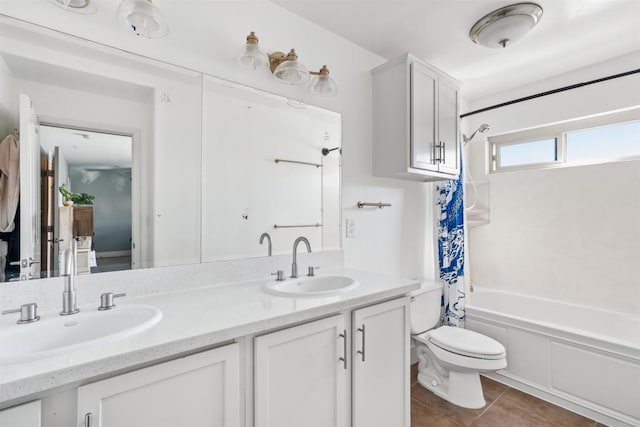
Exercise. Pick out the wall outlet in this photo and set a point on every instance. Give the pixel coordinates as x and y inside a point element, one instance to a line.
<point>351,228</point>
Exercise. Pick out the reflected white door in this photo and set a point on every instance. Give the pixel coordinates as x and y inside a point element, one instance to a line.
<point>29,191</point>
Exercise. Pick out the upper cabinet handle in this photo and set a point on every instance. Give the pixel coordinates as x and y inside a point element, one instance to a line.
<point>87,419</point>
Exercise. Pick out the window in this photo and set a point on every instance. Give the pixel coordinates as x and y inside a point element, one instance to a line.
<point>606,138</point>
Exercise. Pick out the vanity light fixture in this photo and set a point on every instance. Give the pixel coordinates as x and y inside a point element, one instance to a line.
<point>85,7</point>
<point>143,18</point>
<point>505,25</point>
<point>286,68</point>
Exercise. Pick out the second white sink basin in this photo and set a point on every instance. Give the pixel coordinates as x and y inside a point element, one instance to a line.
<point>312,286</point>
<point>55,334</point>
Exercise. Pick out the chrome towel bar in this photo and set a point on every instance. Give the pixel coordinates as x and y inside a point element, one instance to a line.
<point>379,205</point>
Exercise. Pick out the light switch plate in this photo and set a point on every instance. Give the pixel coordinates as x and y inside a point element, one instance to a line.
<point>351,228</point>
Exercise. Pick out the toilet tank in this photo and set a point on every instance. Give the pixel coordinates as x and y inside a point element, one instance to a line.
<point>425,306</point>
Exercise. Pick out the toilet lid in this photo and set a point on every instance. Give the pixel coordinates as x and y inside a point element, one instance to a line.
<point>466,342</point>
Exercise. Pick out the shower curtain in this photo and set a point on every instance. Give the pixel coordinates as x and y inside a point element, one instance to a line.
<point>450,235</point>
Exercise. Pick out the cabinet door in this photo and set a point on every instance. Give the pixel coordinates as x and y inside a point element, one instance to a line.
<point>198,390</point>
<point>381,384</point>
<point>300,379</point>
<point>27,415</point>
<point>448,131</point>
<point>423,118</point>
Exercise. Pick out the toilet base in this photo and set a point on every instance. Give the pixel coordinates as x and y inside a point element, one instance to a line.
<point>460,388</point>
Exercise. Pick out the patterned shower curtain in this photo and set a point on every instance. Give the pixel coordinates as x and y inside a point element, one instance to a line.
<point>450,233</point>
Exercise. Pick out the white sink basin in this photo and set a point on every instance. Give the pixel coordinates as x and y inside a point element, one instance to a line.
<point>311,286</point>
<point>55,334</point>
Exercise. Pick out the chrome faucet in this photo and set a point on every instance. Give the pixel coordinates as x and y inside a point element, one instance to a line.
<point>69,294</point>
<point>262,236</point>
<point>294,265</point>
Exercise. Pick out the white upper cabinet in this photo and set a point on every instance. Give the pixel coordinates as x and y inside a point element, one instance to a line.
<point>415,121</point>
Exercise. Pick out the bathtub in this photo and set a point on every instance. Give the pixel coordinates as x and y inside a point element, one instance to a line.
<point>584,359</point>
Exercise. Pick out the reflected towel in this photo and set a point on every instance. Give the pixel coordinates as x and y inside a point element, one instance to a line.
<point>9,182</point>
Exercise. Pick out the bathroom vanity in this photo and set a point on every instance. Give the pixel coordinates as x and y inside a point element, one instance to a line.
<point>229,354</point>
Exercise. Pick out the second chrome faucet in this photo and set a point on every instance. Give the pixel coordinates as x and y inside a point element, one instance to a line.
<point>294,265</point>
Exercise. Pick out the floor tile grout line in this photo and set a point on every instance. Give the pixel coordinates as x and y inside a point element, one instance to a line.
<point>433,409</point>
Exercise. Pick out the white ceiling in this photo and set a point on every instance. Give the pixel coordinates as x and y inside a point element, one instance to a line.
<point>87,149</point>
<point>571,34</point>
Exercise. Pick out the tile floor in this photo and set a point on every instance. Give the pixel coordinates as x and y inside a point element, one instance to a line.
<point>506,407</point>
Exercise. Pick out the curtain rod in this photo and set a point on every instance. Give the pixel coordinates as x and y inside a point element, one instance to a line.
<point>551,92</point>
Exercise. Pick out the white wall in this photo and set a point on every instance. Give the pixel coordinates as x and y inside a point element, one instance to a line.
<point>6,125</point>
<point>396,240</point>
<point>573,233</point>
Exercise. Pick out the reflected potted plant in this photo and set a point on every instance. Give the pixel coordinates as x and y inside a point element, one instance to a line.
<point>77,198</point>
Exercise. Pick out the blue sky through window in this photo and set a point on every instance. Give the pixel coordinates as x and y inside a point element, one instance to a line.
<point>541,151</point>
<point>608,142</point>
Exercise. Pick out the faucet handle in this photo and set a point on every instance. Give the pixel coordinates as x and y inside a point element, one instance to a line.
<point>279,275</point>
<point>311,271</point>
<point>106,300</point>
<point>28,313</point>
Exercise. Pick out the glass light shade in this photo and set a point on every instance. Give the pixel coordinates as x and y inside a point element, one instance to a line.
<point>506,25</point>
<point>291,72</point>
<point>253,57</point>
<point>143,18</point>
<point>323,85</point>
<point>511,28</point>
<point>85,7</point>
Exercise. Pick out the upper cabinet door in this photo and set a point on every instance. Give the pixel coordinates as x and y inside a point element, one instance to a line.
<point>198,390</point>
<point>300,379</point>
<point>381,383</point>
<point>423,118</point>
<point>448,130</point>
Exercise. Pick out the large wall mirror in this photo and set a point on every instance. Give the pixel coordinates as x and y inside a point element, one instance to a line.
<point>184,167</point>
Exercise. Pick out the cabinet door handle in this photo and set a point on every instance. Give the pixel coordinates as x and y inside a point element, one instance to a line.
<point>87,419</point>
<point>363,342</point>
<point>443,156</point>
<point>434,154</point>
<point>343,359</point>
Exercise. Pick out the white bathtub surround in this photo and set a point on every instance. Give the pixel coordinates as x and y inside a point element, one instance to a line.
<point>570,234</point>
<point>584,359</point>
<point>450,239</point>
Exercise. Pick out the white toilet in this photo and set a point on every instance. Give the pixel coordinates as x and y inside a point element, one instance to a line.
<point>450,359</point>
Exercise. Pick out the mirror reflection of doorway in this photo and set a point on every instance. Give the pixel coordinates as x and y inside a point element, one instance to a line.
<point>98,164</point>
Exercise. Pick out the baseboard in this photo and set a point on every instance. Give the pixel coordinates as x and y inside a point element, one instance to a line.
<point>113,254</point>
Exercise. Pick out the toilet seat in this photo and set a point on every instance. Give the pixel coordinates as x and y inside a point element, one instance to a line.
<point>463,342</point>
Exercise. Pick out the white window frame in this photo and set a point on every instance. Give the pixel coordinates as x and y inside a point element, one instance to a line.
<point>557,131</point>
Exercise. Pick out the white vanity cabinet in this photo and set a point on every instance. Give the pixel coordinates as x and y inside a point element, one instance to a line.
<point>26,415</point>
<point>198,390</point>
<point>299,379</point>
<point>415,121</point>
<point>305,375</point>
<point>381,383</point>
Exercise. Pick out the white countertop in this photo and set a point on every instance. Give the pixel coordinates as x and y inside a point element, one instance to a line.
<point>191,319</point>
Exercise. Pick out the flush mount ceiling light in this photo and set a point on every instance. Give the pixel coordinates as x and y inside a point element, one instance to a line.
<point>86,7</point>
<point>143,18</point>
<point>505,25</point>
<point>286,68</point>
